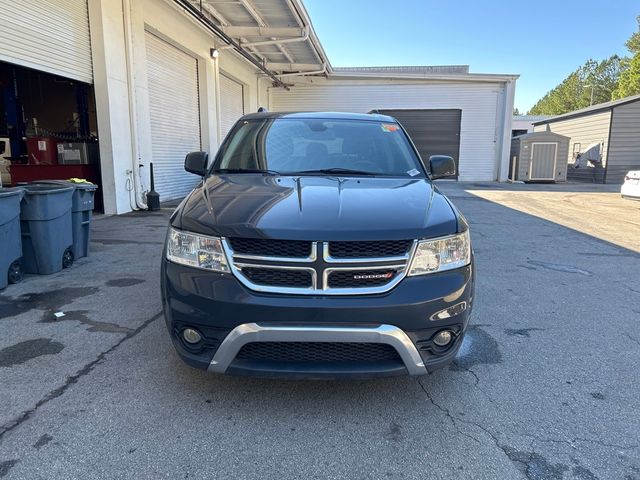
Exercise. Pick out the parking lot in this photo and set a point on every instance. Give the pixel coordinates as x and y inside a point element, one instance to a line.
<point>545,386</point>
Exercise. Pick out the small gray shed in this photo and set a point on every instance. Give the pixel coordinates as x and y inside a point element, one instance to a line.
<point>539,157</point>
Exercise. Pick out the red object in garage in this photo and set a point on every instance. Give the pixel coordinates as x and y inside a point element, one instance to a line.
<point>33,173</point>
<point>42,151</point>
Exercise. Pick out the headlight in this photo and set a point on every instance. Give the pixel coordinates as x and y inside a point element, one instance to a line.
<point>441,254</point>
<point>196,250</point>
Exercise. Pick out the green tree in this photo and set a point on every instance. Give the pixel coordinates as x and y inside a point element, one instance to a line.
<point>575,91</point>
<point>629,82</point>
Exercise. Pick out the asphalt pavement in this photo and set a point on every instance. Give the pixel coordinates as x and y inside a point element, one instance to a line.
<point>545,386</point>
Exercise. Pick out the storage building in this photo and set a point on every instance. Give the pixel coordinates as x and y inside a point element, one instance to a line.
<point>539,157</point>
<point>615,126</point>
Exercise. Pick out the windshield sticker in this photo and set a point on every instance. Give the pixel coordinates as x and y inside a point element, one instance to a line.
<point>413,172</point>
<point>389,127</point>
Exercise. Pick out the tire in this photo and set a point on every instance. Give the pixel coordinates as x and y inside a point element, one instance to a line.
<point>15,272</point>
<point>67,258</point>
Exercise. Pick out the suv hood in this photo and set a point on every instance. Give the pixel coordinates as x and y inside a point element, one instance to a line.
<point>316,208</point>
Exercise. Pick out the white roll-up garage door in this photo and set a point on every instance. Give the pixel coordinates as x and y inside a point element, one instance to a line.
<point>231,103</point>
<point>47,35</point>
<point>174,115</point>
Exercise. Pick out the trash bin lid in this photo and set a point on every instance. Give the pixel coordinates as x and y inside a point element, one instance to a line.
<point>67,183</point>
<point>9,191</point>
<point>44,189</point>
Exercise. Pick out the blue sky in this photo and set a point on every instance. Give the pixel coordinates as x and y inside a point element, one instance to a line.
<point>542,40</point>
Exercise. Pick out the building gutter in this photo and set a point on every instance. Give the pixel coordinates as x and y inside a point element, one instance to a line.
<point>299,9</point>
<point>468,77</point>
<point>301,73</point>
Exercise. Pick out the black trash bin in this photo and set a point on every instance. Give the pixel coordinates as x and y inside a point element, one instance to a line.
<point>45,221</point>
<point>10,242</point>
<point>81,213</point>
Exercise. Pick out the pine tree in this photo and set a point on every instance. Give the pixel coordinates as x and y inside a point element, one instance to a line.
<point>629,83</point>
<point>575,91</point>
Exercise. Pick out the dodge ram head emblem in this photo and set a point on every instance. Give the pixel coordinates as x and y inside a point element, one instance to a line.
<point>371,276</point>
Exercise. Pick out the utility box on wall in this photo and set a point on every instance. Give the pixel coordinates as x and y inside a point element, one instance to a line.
<point>539,157</point>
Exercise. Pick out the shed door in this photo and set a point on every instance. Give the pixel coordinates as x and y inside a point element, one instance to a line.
<point>434,132</point>
<point>47,35</point>
<point>231,103</point>
<point>543,161</point>
<point>174,115</point>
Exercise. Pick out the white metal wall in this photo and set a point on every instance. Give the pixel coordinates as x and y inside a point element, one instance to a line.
<point>231,103</point>
<point>47,35</point>
<point>174,115</point>
<point>479,156</point>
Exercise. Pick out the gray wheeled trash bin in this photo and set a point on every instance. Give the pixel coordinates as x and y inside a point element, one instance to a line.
<point>45,220</point>
<point>81,212</point>
<point>10,243</point>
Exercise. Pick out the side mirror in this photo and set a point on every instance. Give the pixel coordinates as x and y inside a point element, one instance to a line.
<point>442,166</point>
<point>196,162</point>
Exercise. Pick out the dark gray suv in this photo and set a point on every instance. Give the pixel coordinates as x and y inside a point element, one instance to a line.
<point>316,245</point>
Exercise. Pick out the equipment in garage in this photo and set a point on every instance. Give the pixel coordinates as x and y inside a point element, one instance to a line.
<point>231,103</point>
<point>539,157</point>
<point>174,115</point>
<point>48,128</point>
<point>434,132</point>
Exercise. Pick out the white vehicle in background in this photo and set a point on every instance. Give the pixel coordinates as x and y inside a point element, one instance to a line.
<point>631,186</point>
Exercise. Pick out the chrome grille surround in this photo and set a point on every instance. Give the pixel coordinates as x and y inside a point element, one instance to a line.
<point>320,265</point>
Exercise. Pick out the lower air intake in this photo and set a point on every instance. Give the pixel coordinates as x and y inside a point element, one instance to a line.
<point>317,352</point>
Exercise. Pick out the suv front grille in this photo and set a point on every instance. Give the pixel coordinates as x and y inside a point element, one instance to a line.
<point>391,248</point>
<point>318,268</point>
<point>266,247</point>
<point>278,277</point>
<point>317,352</point>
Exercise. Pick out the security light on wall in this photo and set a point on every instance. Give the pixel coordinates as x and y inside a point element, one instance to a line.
<point>214,52</point>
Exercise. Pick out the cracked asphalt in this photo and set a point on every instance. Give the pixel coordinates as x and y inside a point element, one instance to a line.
<point>545,386</point>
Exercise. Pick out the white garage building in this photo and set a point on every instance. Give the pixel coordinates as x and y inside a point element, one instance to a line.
<point>171,76</point>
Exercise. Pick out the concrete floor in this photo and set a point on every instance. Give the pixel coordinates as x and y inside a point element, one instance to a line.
<point>545,387</point>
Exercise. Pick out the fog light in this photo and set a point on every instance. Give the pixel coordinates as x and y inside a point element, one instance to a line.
<point>443,338</point>
<point>191,336</point>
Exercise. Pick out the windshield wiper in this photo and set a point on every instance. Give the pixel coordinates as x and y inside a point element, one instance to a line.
<point>246,170</point>
<point>336,170</point>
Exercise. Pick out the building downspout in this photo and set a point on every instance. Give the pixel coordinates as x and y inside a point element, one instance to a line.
<point>134,176</point>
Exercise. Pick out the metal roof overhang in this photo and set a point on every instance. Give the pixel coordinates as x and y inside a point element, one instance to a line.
<point>276,36</point>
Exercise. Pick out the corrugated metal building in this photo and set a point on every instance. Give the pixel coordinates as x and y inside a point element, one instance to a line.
<point>614,125</point>
<point>475,108</point>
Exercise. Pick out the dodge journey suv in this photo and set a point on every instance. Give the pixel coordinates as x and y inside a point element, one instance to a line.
<point>317,245</point>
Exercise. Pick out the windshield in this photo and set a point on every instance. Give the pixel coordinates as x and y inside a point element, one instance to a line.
<point>318,146</point>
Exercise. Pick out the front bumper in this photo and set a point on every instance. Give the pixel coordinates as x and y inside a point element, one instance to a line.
<point>630,190</point>
<point>229,315</point>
